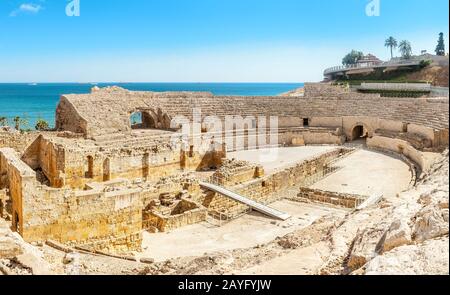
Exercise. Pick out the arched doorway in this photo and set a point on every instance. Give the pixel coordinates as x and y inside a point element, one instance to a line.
<point>359,132</point>
<point>143,120</point>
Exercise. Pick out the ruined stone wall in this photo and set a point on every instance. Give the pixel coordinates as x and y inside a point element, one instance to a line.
<point>401,147</point>
<point>197,161</point>
<point>324,89</point>
<point>82,167</point>
<point>233,172</point>
<point>114,106</point>
<point>106,219</point>
<point>101,220</point>
<point>418,141</point>
<point>48,158</point>
<point>265,189</point>
<point>371,123</point>
<point>3,200</point>
<point>350,201</point>
<point>150,164</point>
<point>17,177</point>
<point>166,223</point>
<point>16,140</point>
<point>68,119</point>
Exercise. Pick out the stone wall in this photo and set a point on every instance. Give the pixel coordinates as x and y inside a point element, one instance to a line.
<point>104,219</point>
<point>350,201</point>
<point>16,140</point>
<point>418,141</point>
<point>265,189</point>
<point>113,107</point>
<point>233,172</point>
<point>17,177</point>
<point>400,147</point>
<point>192,213</point>
<point>3,200</point>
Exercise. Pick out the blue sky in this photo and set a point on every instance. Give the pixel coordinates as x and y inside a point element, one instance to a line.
<point>203,40</point>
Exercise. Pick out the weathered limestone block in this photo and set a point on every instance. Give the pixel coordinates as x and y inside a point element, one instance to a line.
<point>365,247</point>
<point>430,222</point>
<point>298,141</point>
<point>399,234</point>
<point>9,248</point>
<point>37,265</point>
<point>429,258</point>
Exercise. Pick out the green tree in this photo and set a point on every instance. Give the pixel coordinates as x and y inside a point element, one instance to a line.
<point>392,44</point>
<point>405,49</point>
<point>352,58</point>
<point>19,122</point>
<point>3,121</point>
<point>440,48</point>
<point>41,125</point>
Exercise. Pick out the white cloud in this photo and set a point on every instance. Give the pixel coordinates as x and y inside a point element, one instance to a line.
<point>29,8</point>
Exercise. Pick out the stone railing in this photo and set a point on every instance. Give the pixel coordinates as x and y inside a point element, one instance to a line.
<point>372,65</point>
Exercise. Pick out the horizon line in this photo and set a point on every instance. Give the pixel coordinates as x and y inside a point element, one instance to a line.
<point>152,82</point>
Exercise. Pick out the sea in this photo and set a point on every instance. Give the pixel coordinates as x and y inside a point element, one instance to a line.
<point>33,101</point>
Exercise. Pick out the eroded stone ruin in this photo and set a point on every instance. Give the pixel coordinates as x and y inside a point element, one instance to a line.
<point>100,179</point>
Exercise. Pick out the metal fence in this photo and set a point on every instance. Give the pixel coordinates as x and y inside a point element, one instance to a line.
<point>310,180</point>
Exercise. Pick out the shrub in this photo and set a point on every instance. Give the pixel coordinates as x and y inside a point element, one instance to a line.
<point>42,125</point>
<point>425,63</point>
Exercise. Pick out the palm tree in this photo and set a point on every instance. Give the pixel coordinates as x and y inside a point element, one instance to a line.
<point>18,122</point>
<point>391,43</point>
<point>405,49</point>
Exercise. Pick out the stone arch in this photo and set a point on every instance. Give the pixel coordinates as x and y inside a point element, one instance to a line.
<point>136,120</point>
<point>359,131</point>
<point>166,120</point>
<point>149,119</point>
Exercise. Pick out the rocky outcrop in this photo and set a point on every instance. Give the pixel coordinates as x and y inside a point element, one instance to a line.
<point>365,247</point>
<point>9,248</point>
<point>428,258</point>
<point>18,257</point>
<point>429,223</point>
<point>399,234</point>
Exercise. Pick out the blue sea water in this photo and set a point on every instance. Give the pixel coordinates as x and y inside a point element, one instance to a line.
<point>39,101</point>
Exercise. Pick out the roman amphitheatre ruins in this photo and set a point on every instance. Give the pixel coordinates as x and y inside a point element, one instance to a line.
<point>358,185</point>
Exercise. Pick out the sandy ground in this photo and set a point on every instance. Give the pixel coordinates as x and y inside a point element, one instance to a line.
<point>303,261</point>
<point>280,158</point>
<point>248,231</point>
<point>367,173</point>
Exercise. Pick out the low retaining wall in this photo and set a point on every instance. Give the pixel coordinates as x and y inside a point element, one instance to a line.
<point>336,199</point>
<point>195,213</point>
<point>400,147</point>
<point>266,190</point>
